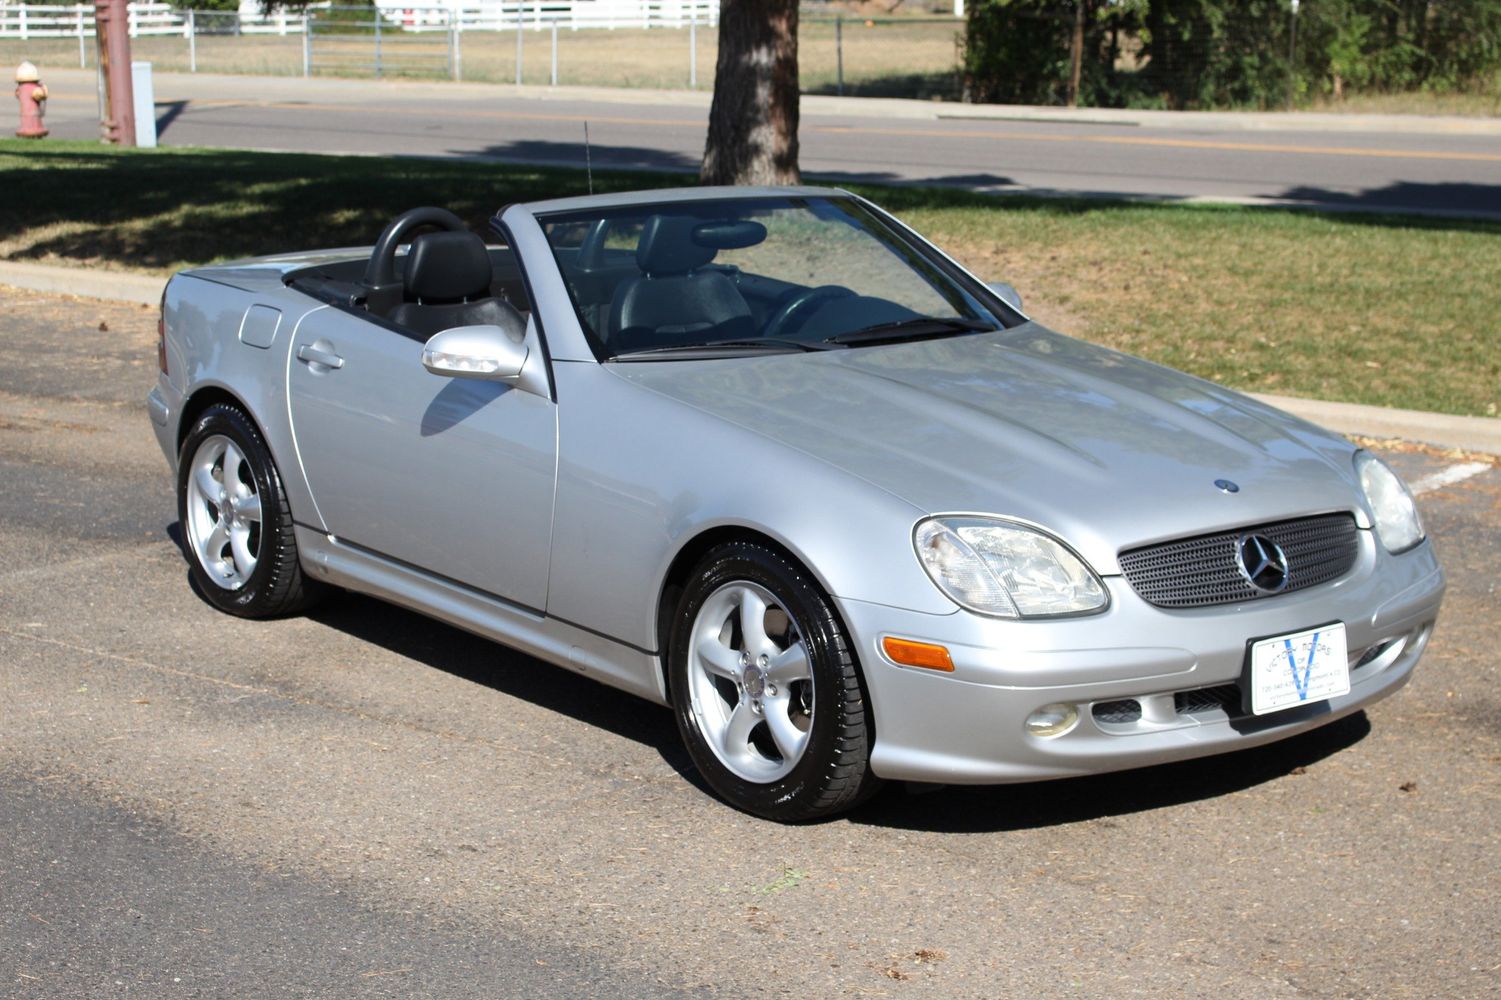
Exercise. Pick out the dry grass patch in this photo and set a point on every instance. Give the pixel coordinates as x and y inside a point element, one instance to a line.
<point>1357,308</point>
<point>888,58</point>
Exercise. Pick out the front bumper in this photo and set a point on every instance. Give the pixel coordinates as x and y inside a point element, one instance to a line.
<point>1177,667</point>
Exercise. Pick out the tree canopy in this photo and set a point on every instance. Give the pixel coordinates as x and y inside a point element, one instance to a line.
<point>1228,53</point>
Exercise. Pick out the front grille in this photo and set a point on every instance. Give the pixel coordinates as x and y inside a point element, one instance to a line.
<point>1225,696</point>
<point>1198,572</point>
<point>1127,711</point>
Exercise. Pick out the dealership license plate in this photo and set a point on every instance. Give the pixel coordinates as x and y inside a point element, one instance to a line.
<point>1299,669</point>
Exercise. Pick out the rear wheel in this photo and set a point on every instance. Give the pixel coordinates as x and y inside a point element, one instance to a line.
<point>767,694</point>
<point>236,527</point>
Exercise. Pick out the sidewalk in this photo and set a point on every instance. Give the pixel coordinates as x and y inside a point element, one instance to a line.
<point>1480,434</point>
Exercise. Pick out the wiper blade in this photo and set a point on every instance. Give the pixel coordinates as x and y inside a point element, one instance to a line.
<point>916,328</point>
<point>720,348</point>
<point>796,345</point>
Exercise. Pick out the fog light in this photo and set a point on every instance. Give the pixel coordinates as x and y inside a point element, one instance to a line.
<point>1052,720</point>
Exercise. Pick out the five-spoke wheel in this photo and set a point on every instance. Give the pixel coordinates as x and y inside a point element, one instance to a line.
<point>223,521</point>
<point>750,682</point>
<point>236,527</point>
<point>766,691</point>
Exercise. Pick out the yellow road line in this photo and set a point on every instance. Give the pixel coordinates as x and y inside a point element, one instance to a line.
<point>1141,140</point>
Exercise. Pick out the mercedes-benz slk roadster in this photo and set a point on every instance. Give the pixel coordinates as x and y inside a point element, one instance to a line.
<point>769,457</point>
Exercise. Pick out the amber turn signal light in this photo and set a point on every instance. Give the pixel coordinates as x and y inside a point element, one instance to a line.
<point>910,653</point>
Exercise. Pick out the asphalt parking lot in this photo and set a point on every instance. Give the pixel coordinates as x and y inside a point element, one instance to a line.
<point>362,802</point>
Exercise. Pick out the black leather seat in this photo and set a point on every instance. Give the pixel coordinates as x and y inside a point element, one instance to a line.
<point>672,300</point>
<point>447,284</point>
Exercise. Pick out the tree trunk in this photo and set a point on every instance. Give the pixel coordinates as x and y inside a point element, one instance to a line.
<point>753,120</point>
<point>1076,55</point>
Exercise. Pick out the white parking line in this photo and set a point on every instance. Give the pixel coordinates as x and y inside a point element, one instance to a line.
<point>1448,477</point>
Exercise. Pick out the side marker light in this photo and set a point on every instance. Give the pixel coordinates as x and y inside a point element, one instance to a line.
<point>910,653</point>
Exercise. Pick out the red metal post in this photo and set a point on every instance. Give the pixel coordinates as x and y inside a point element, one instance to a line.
<point>113,21</point>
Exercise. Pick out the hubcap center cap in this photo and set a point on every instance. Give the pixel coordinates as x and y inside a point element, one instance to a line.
<point>755,681</point>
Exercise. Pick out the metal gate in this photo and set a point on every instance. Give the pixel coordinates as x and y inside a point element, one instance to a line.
<point>366,41</point>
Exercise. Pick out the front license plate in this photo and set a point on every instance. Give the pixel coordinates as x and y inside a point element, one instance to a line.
<point>1299,669</point>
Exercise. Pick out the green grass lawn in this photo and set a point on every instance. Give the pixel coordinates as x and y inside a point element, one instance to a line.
<point>1354,307</point>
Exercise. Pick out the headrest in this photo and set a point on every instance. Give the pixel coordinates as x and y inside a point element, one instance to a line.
<point>447,267</point>
<point>667,246</point>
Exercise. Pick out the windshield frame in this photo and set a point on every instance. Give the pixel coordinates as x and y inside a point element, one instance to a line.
<point>917,253</point>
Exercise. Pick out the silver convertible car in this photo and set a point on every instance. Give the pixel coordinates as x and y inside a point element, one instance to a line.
<point>770,458</point>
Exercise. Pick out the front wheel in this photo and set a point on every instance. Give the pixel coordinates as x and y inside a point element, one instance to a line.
<point>766,691</point>
<point>236,526</point>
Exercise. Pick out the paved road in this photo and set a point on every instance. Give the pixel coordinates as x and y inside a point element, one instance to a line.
<point>364,803</point>
<point>842,140</point>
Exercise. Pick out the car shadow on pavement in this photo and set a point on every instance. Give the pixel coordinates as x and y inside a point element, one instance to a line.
<point>504,670</point>
<point>994,808</point>
<point>934,808</point>
<point>956,809</point>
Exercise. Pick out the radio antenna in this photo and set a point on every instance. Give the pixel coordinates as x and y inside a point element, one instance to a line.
<point>588,160</point>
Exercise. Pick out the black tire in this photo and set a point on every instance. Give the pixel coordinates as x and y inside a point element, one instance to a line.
<point>830,773</point>
<point>274,583</point>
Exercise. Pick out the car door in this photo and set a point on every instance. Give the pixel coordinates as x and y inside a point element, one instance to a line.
<point>451,475</point>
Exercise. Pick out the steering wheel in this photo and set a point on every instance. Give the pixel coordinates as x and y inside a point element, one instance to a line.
<point>592,249</point>
<point>796,310</point>
<point>383,290</point>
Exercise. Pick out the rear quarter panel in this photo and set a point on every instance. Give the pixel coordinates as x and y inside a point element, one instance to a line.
<point>236,338</point>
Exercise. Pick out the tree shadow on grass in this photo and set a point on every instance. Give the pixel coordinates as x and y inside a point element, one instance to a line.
<point>167,208</point>
<point>162,209</point>
<point>1458,198</point>
<point>943,86</point>
<point>1382,207</point>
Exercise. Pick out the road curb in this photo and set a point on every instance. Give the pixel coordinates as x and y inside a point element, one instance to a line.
<point>1247,121</point>
<point>1480,434</point>
<point>116,286</point>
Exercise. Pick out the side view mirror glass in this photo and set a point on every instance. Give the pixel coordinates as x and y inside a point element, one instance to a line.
<point>479,352</point>
<point>1011,296</point>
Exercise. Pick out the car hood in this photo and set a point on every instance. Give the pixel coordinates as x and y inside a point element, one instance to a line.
<point>1104,450</point>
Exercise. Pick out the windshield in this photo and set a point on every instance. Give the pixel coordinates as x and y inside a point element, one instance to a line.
<point>741,276</point>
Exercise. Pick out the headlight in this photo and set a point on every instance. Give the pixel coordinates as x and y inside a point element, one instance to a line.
<point>1004,569</point>
<point>1396,514</point>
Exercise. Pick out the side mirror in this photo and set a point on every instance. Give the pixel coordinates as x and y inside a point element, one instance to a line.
<point>480,352</point>
<point>1008,294</point>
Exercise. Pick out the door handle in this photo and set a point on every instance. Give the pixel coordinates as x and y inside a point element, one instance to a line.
<point>307,352</point>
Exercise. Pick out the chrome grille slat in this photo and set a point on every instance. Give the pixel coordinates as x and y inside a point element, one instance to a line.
<point>1201,571</point>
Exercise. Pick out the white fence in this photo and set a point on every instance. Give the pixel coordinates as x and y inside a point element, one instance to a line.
<point>77,21</point>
